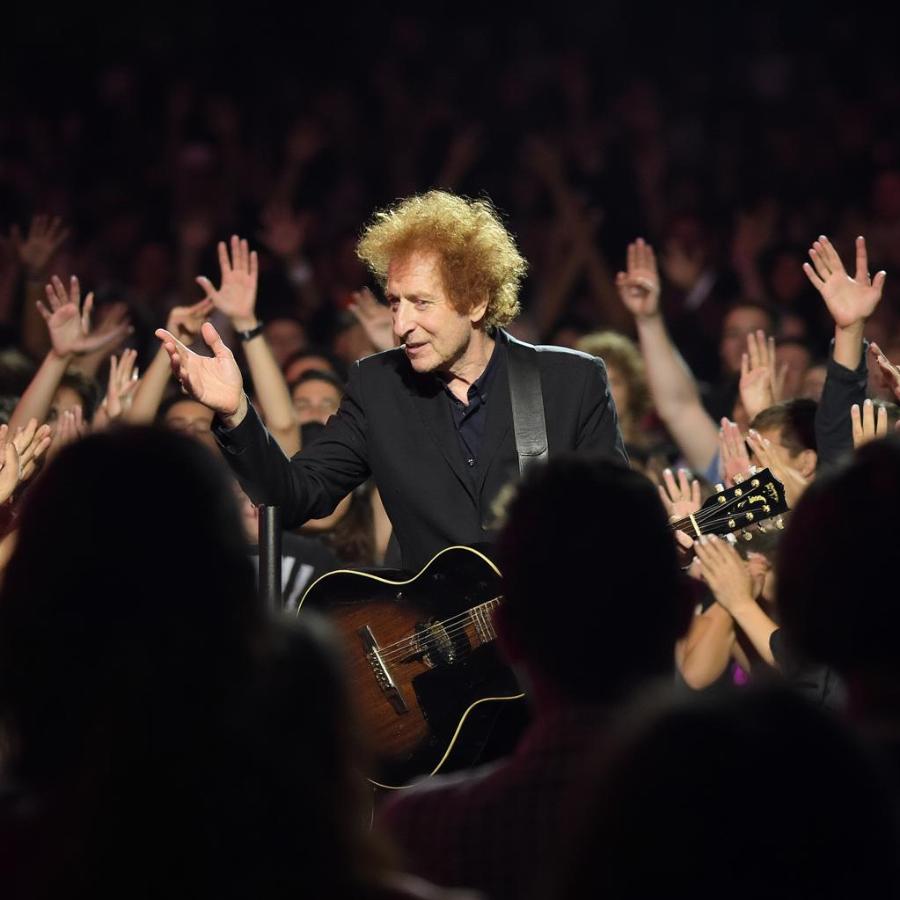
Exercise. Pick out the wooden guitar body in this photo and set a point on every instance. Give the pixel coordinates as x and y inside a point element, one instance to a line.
<point>424,671</point>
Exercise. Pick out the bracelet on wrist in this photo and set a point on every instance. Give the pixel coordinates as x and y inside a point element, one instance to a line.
<point>252,333</point>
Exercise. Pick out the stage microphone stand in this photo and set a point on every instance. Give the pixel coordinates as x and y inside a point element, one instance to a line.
<point>270,558</point>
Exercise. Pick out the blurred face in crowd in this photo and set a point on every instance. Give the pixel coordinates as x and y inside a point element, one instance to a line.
<point>284,336</point>
<point>435,335</point>
<point>788,280</point>
<point>315,401</point>
<point>65,398</point>
<point>192,418</point>
<point>797,360</point>
<point>740,322</point>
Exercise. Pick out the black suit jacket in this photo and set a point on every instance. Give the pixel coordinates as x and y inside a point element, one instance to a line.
<point>396,425</point>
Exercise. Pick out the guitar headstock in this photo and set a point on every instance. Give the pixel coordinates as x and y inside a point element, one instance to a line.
<point>756,500</point>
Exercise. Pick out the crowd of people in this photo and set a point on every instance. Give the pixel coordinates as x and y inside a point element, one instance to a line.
<point>707,712</point>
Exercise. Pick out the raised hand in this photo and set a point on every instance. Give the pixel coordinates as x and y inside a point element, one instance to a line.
<point>734,460</point>
<point>890,373</point>
<point>236,296</point>
<point>639,286</point>
<point>759,385</point>
<point>868,426</point>
<point>375,318</point>
<point>725,572</point>
<point>69,323</point>
<point>681,498</point>
<point>849,300</point>
<point>9,465</point>
<point>31,443</point>
<point>70,427</point>
<point>184,322</point>
<point>214,381</point>
<point>123,382</point>
<point>776,461</point>
<point>45,237</point>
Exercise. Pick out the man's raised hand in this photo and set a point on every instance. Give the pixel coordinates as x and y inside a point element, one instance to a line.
<point>849,300</point>
<point>184,322</point>
<point>639,286</point>
<point>69,323</point>
<point>236,296</point>
<point>213,381</point>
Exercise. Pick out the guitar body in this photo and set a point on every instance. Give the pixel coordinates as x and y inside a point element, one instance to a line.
<point>425,675</point>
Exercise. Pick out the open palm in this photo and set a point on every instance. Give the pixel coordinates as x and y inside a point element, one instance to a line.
<point>639,286</point>
<point>69,323</point>
<point>213,381</point>
<point>236,296</point>
<point>849,300</point>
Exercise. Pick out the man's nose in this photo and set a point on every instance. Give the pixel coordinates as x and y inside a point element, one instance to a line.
<point>402,320</point>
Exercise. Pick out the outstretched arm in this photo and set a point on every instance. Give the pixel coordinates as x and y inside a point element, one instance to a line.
<point>236,297</point>
<point>672,384</point>
<point>850,302</point>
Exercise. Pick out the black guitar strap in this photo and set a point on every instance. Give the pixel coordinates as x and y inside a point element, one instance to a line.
<point>527,405</point>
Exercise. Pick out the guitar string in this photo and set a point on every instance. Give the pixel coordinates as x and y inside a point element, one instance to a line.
<point>451,628</point>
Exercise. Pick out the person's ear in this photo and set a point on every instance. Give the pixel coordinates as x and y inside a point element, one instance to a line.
<point>478,312</point>
<point>806,463</point>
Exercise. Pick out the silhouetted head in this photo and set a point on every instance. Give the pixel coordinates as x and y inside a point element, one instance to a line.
<point>744,794</point>
<point>594,599</point>
<point>129,597</point>
<point>837,587</point>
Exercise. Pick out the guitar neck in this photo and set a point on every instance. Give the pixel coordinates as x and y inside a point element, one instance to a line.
<point>480,618</point>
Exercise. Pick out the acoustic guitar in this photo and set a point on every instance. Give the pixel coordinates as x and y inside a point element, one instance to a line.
<point>424,671</point>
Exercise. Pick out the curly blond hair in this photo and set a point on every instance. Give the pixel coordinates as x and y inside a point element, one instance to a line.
<point>478,256</point>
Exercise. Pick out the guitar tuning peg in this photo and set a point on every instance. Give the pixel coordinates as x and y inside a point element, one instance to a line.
<point>720,488</point>
<point>779,523</point>
<point>747,536</point>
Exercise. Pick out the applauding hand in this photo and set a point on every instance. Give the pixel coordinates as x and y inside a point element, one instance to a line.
<point>725,572</point>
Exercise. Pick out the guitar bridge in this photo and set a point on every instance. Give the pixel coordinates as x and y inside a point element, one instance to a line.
<point>380,670</point>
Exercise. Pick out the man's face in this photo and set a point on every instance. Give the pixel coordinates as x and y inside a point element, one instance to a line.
<point>740,322</point>
<point>435,335</point>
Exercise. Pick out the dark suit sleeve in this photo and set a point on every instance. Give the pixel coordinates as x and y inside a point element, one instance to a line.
<point>843,388</point>
<point>312,483</point>
<point>598,423</point>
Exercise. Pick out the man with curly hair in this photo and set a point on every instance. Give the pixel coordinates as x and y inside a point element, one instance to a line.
<point>432,419</point>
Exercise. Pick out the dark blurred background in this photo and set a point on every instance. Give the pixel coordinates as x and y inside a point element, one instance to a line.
<point>729,135</point>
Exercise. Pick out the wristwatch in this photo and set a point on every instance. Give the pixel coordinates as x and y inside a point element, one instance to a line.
<point>252,333</point>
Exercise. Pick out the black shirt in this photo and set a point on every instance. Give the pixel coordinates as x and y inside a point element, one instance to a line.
<point>470,418</point>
